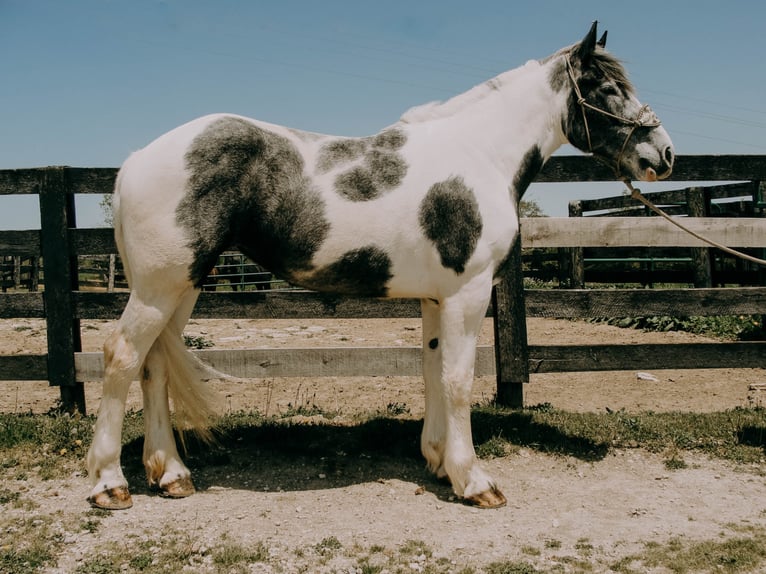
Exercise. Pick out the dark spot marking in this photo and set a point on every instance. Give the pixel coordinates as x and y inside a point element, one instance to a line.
<point>433,343</point>
<point>381,169</point>
<point>247,189</point>
<point>449,216</point>
<point>357,184</point>
<point>363,272</point>
<point>527,172</point>
<point>391,139</point>
<point>340,151</point>
<point>387,169</point>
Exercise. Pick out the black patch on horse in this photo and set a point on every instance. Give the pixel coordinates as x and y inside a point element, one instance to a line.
<point>247,189</point>
<point>530,166</point>
<point>362,272</point>
<point>391,139</point>
<point>379,168</point>
<point>340,151</point>
<point>527,172</point>
<point>449,216</point>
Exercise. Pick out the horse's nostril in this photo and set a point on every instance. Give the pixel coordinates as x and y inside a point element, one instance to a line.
<point>669,156</point>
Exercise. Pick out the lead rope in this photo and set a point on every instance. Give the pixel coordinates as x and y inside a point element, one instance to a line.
<point>636,194</point>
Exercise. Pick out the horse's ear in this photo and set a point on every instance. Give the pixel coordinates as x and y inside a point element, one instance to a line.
<point>585,49</point>
<point>602,42</point>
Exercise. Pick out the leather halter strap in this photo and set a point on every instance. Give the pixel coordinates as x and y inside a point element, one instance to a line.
<point>645,118</point>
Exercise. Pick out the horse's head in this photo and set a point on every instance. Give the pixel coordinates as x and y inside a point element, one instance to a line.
<point>605,117</point>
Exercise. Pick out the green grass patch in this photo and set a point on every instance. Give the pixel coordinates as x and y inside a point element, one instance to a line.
<point>730,555</point>
<point>726,327</point>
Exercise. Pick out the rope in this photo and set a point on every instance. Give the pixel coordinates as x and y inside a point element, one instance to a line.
<point>636,194</point>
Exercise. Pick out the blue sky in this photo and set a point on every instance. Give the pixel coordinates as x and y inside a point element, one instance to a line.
<point>84,83</point>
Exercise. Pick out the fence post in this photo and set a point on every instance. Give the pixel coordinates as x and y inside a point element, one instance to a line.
<point>576,257</point>
<point>698,207</point>
<point>511,351</point>
<point>60,277</point>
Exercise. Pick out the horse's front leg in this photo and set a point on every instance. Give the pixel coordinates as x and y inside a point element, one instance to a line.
<point>461,317</point>
<point>433,438</point>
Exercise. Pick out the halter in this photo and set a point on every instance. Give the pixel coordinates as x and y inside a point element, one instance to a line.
<point>638,122</point>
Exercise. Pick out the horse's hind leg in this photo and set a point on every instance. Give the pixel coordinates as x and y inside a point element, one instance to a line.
<point>124,353</point>
<point>164,467</point>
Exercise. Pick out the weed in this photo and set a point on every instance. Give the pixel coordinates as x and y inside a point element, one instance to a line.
<point>233,555</point>
<point>553,544</point>
<point>101,564</point>
<point>530,550</point>
<point>7,496</point>
<point>396,409</point>
<point>415,548</point>
<point>197,342</point>
<point>510,567</point>
<point>496,447</point>
<point>584,547</point>
<point>328,546</point>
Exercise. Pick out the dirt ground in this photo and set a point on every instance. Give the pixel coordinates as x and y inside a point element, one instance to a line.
<point>615,504</point>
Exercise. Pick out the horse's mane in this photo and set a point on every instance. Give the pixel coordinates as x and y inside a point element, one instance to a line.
<point>606,63</point>
<point>612,67</point>
<point>438,109</point>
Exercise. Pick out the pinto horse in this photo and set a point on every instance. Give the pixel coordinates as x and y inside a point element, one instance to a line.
<point>423,209</point>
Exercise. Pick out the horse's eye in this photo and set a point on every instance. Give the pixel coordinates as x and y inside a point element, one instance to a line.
<point>609,90</point>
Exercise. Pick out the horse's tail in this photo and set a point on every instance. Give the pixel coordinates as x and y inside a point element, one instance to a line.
<point>194,401</point>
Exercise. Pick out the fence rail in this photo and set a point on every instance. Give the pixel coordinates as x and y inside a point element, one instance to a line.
<point>62,304</point>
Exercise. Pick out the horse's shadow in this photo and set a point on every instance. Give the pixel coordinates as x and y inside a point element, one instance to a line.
<point>296,457</point>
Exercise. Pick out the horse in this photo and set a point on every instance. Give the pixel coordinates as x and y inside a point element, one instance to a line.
<point>427,208</point>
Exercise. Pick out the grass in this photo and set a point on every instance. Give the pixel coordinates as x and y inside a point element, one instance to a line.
<point>730,555</point>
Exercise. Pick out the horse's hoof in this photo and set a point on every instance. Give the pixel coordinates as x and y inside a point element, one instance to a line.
<point>491,498</point>
<point>180,488</point>
<point>117,498</point>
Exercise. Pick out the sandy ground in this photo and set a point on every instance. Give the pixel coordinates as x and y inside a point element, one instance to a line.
<point>613,505</point>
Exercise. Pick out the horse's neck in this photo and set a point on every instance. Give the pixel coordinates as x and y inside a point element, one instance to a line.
<point>506,116</point>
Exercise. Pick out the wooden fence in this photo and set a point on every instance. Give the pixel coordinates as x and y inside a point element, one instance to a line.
<point>62,304</point>
<point>699,266</point>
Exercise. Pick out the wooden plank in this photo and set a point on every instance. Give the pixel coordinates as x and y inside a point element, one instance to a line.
<point>677,196</point>
<point>310,362</point>
<point>300,304</point>
<point>24,243</point>
<point>23,368</point>
<point>20,181</point>
<point>572,303</point>
<point>571,358</point>
<point>92,241</point>
<point>640,232</point>
<point>22,305</point>
<point>91,179</point>
<point>686,168</point>
<point>406,361</point>
<point>575,168</point>
<point>560,303</point>
<point>259,305</point>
